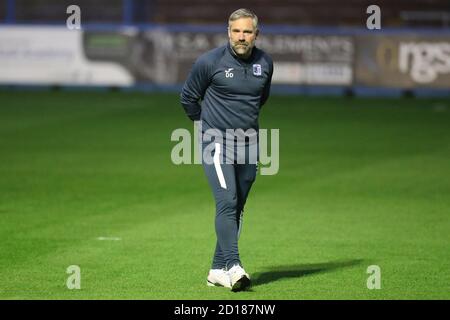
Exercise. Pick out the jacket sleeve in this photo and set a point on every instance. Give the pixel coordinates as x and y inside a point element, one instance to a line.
<point>266,90</point>
<point>195,87</point>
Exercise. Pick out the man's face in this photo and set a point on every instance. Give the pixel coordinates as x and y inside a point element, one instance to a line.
<point>242,36</point>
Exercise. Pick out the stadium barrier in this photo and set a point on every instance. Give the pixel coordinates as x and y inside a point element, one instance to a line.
<point>133,56</point>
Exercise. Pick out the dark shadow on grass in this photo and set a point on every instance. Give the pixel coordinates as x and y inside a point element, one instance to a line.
<point>299,270</point>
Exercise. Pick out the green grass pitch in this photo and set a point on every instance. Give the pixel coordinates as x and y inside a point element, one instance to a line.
<point>362,181</point>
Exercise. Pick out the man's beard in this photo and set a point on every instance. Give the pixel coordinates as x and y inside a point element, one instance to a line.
<point>242,49</point>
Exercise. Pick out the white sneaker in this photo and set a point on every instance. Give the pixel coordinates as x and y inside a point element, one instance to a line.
<point>218,277</point>
<point>240,280</point>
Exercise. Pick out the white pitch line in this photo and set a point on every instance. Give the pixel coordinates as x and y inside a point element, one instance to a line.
<point>109,238</point>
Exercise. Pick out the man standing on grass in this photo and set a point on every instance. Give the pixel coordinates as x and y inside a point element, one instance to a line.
<point>232,82</point>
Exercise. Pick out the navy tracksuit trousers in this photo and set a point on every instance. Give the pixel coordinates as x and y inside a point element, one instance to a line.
<point>230,184</point>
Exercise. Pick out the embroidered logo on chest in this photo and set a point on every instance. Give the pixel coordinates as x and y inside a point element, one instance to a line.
<point>228,73</point>
<point>257,69</point>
